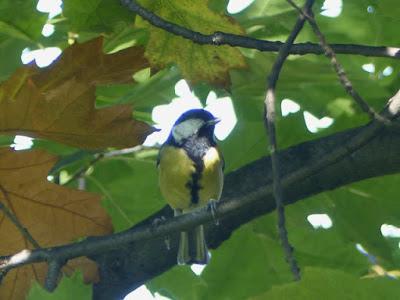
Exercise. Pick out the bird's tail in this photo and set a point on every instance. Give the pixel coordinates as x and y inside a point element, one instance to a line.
<point>193,247</point>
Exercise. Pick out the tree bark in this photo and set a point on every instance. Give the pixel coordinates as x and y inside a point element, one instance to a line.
<point>125,269</point>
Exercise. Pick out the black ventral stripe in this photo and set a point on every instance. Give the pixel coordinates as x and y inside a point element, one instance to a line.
<point>196,148</point>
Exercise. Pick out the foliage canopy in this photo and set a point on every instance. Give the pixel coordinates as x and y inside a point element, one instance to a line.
<point>80,110</point>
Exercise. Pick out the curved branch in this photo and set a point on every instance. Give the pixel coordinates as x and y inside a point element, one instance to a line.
<point>316,166</point>
<point>248,194</point>
<point>221,38</point>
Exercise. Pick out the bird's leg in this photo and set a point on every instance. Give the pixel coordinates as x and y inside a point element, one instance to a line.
<point>212,206</point>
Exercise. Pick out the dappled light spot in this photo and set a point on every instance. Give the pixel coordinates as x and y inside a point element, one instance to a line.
<point>387,71</point>
<point>48,30</point>
<point>320,221</point>
<point>197,269</point>
<point>143,293</point>
<point>20,257</point>
<point>43,57</point>
<point>370,68</point>
<point>314,124</point>
<point>332,8</point>
<point>289,107</point>
<point>392,51</point>
<point>390,231</point>
<point>236,6</point>
<point>370,9</point>
<point>52,7</point>
<point>22,142</point>
<point>222,108</point>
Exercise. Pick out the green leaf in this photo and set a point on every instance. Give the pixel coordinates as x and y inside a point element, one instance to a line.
<point>196,62</point>
<point>245,265</point>
<point>158,89</point>
<point>272,20</point>
<point>19,19</point>
<point>20,27</point>
<point>374,203</point>
<point>6,140</point>
<point>96,15</point>
<point>129,185</point>
<point>313,247</point>
<point>69,288</point>
<point>249,137</point>
<point>329,284</point>
<point>124,37</point>
<point>357,212</point>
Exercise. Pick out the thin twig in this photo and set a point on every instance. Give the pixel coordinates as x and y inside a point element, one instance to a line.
<point>270,126</point>
<point>127,151</point>
<point>221,38</point>
<point>100,156</point>
<point>13,218</point>
<point>141,233</point>
<point>84,169</point>
<point>344,80</point>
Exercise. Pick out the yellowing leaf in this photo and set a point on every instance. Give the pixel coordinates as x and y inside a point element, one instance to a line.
<point>197,62</point>
<point>52,214</point>
<point>58,103</point>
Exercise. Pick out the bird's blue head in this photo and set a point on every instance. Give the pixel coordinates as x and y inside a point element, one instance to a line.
<point>194,122</point>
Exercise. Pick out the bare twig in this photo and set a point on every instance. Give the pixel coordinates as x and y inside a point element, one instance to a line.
<point>84,169</point>
<point>125,151</point>
<point>330,53</point>
<point>270,125</point>
<point>99,156</point>
<point>221,38</point>
<point>13,218</point>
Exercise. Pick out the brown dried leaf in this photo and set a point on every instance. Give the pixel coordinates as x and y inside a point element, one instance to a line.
<point>52,214</point>
<point>59,103</point>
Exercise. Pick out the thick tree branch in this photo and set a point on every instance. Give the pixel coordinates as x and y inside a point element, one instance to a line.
<point>269,105</point>
<point>222,38</point>
<point>314,168</point>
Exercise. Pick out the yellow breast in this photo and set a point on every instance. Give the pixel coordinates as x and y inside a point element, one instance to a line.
<point>212,178</point>
<point>175,171</point>
<point>175,175</point>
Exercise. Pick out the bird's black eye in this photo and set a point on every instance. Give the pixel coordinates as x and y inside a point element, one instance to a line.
<point>207,130</point>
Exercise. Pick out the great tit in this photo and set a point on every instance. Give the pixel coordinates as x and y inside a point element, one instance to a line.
<point>191,175</point>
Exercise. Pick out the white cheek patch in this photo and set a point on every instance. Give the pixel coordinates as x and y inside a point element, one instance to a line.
<point>186,129</point>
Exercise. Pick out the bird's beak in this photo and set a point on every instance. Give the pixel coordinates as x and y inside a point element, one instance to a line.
<point>213,121</point>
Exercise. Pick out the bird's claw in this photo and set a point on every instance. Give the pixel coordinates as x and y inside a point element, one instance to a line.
<point>158,221</point>
<point>212,206</point>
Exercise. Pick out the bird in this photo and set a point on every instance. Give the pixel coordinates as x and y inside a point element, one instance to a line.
<point>191,176</point>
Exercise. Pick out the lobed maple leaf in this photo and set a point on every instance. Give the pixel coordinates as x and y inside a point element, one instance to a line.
<point>197,62</point>
<point>52,214</point>
<point>58,103</point>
